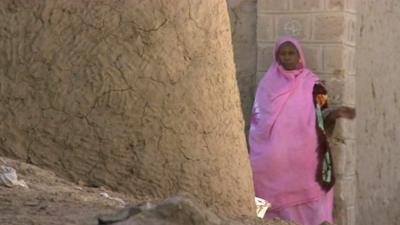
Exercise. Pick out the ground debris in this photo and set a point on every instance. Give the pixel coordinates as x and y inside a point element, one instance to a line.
<point>177,210</point>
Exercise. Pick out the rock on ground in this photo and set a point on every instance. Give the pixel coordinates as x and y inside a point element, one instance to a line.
<point>177,210</point>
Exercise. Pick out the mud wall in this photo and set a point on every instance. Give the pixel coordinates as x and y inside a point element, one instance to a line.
<point>378,105</point>
<point>137,95</point>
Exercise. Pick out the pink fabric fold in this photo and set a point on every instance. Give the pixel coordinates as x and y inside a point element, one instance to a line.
<point>282,137</point>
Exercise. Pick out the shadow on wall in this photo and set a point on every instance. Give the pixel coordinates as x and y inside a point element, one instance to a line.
<point>243,18</point>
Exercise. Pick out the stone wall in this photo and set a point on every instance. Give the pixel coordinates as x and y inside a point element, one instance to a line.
<point>243,17</point>
<point>326,29</point>
<point>137,95</point>
<point>378,105</point>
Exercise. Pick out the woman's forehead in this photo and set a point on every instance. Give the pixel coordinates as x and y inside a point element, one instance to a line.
<point>287,45</point>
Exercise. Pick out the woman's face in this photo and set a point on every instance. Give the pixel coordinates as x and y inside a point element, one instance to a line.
<point>288,56</point>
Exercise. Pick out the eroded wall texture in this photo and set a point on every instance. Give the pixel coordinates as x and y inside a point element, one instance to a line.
<point>138,95</point>
<point>378,105</point>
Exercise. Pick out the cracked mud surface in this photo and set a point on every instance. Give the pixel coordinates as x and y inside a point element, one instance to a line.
<point>138,95</point>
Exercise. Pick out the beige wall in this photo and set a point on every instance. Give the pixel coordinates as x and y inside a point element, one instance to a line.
<point>378,105</point>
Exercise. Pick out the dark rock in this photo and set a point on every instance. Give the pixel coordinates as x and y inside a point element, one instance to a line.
<point>178,210</point>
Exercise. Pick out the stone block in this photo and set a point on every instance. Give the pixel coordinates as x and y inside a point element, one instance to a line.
<point>335,4</point>
<point>273,5</point>
<point>344,215</point>
<point>333,60</point>
<point>344,156</point>
<point>306,5</point>
<point>349,63</point>
<point>243,21</point>
<point>335,90</point>
<point>345,191</point>
<point>339,212</point>
<point>339,157</point>
<point>350,29</point>
<point>328,27</point>
<point>295,25</point>
<point>264,58</point>
<point>249,6</point>
<point>265,28</point>
<point>313,55</point>
<point>246,6</point>
<point>349,93</point>
<point>344,129</point>
<point>351,5</point>
<point>351,215</point>
<point>351,158</point>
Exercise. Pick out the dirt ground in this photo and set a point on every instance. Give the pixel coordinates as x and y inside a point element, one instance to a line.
<point>50,200</point>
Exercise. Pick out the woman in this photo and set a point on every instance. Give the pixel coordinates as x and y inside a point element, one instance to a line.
<point>289,153</point>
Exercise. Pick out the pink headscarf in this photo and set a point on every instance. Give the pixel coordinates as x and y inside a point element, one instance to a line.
<point>282,136</point>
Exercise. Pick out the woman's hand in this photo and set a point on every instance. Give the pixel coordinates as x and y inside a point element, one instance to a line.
<point>346,112</point>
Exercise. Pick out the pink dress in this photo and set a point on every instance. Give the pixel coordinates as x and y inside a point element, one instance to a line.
<point>283,144</point>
